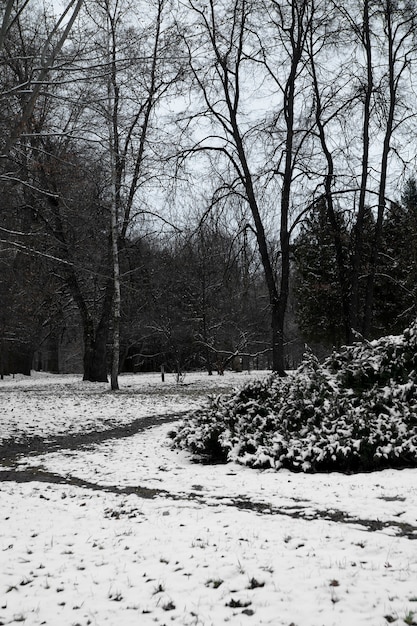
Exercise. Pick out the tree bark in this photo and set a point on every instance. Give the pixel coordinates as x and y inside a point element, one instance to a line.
<point>357,257</point>
<point>392,97</point>
<point>96,340</point>
<point>341,260</point>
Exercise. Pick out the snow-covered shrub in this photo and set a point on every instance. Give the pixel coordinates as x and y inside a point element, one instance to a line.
<point>356,411</point>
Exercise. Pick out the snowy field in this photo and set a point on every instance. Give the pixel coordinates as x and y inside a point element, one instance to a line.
<point>125,531</point>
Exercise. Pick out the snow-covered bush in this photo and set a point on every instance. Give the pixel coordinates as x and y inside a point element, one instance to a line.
<point>356,411</point>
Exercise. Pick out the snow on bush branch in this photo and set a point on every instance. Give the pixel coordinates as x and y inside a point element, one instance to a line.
<point>356,411</point>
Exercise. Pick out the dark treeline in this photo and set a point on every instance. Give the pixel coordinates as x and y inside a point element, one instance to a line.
<point>317,288</point>
<point>193,300</point>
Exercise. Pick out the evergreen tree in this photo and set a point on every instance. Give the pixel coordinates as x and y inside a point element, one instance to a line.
<point>397,272</point>
<point>317,279</point>
<point>317,286</point>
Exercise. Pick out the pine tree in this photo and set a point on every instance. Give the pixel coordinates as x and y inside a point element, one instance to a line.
<point>397,273</point>
<point>317,286</point>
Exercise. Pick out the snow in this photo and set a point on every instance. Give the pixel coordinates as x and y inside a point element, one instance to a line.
<point>49,406</point>
<point>128,531</point>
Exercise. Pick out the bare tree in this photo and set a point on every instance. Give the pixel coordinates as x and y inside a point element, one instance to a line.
<point>324,118</point>
<point>378,45</point>
<point>129,112</point>
<point>398,48</point>
<point>49,49</point>
<point>362,34</point>
<point>292,22</point>
<point>233,56</point>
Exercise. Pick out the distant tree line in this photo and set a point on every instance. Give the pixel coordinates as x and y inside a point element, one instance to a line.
<point>193,300</point>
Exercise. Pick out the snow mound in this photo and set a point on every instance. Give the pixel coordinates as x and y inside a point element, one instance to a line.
<point>356,411</point>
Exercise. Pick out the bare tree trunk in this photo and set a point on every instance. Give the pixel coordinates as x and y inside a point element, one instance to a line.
<point>95,339</point>
<point>95,353</point>
<point>112,115</point>
<point>295,34</point>
<point>127,141</point>
<point>376,243</point>
<point>357,257</point>
<point>2,357</point>
<point>277,301</point>
<point>292,26</point>
<point>394,47</point>
<point>341,260</point>
<point>49,54</point>
<point>116,302</point>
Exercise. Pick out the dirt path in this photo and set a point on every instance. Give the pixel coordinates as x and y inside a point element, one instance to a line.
<point>10,450</point>
<point>294,511</point>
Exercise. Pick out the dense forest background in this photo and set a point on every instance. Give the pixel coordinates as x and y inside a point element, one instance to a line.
<point>204,184</point>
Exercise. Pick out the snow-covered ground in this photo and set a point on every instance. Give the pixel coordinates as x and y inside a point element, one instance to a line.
<point>129,532</point>
<point>48,406</point>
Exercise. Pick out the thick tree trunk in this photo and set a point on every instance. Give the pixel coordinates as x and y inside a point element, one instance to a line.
<point>278,344</point>
<point>115,366</point>
<point>278,302</point>
<point>95,356</point>
<point>95,338</point>
<point>95,342</point>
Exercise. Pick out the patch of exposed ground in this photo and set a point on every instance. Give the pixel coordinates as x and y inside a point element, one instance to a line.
<point>11,449</point>
<point>37,474</point>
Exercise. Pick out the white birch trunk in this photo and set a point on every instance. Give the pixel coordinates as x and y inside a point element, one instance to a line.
<point>111,113</point>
